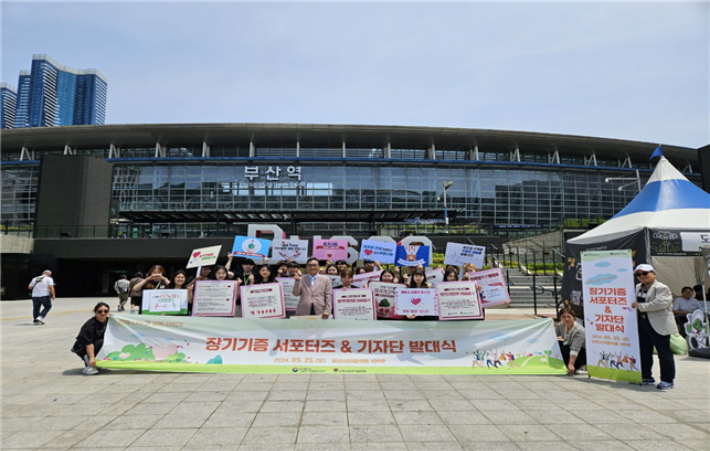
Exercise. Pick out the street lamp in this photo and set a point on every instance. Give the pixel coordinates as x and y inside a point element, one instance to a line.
<point>447,185</point>
<point>637,179</point>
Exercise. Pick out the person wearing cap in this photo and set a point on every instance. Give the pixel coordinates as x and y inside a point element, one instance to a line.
<point>656,324</point>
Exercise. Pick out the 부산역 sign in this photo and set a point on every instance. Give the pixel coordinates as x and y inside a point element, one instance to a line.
<point>355,303</point>
<point>223,345</point>
<point>158,302</point>
<point>384,298</point>
<point>492,285</point>
<point>263,301</point>
<point>214,298</point>
<point>461,254</point>
<point>611,329</point>
<point>362,280</point>
<point>292,250</point>
<point>458,300</point>
<point>250,247</point>
<point>290,301</point>
<point>377,251</point>
<point>204,256</point>
<point>330,249</point>
<point>412,255</point>
<point>415,301</point>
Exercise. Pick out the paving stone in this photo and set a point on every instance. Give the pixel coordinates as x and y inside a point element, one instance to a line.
<point>227,437</point>
<point>325,406</point>
<point>545,446</point>
<point>490,446</point>
<point>480,433</point>
<point>614,445</point>
<point>371,418</point>
<point>286,395</point>
<point>582,432</point>
<point>509,417</point>
<point>426,433</point>
<point>156,408</point>
<point>282,406</point>
<point>273,447</point>
<point>68,439</point>
<point>325,395</point>
<point>207,396</point>
<point>133,422</point>
<point>528,432</point>
<point>324,419</point>
<point>463,418</point>
<point>180,420</point>
<point>453,406</point>
<point>237,407</point>
<point>28,439</point>
<point>196,407</point>
<point>241,419</point>
<point>417,418</point>
<point>410,406</point>
<point>277,419</point>
<point>165,437</point>
<point>323,434</point>
<point>375,434</point>
<point>270,435</point>
<point>166,397</point>
<point>116,438</point>
<point>656,445</point>
<point>368,406</point>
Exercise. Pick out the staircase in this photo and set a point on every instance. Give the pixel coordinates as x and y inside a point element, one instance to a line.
<point>523,293</point>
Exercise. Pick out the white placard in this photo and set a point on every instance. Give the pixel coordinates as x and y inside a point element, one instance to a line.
<point>264,300</point>
<point>378,251</point>
<point>214,298</point>
<point>291,250</point>
<point>493,287</point>
<point>290,301</point>
<point>415,301</point>
<point>334,280</point>
<point>460,254</point>
<point>384,298</point>
<point>157,302</point>
<point>354,303</point>
<point>693,240</point>
<point>204,256</point>
<point>434,275</point>
<point>364,279</point>
<point>458,300</point>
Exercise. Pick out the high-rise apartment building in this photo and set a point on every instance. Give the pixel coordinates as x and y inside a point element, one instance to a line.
<point>55,95</point>
<point>8,105</point>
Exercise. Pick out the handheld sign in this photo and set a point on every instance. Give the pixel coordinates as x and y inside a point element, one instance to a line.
<point>265,300</point>
<point>355,303</point>
<point>493,287</point>
<point>214,298</point>
<point>378,251</point>
<point>415,301</point>
<point>204,256</point>
<point>384,298</point>
<point>435,275</point>
<point>412,255</point>
<point>169,302</point>
<point>461,254</point>
<point>291,250</point>
<point>334,280</point>
<point>458,300</point>
<point>248,247</point>
<point>364,279</point>
<point>330,249</point>
<point>290,301</point>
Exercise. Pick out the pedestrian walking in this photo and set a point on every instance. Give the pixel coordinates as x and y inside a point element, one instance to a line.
<point>121,287</point>
<point>42,296</point>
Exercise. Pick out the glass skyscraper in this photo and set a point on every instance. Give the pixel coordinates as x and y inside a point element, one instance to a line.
<point>55,95</point>
<point>8,105</point>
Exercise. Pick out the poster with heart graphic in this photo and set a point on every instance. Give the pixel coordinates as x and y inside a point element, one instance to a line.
<point>289,250</point>
<point>330,249</point>
<point>168,302</point>
<point>204,256</point>
<point>416,301</point>
<point>378,251</point>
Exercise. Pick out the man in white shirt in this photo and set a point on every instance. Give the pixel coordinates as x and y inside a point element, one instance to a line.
<point>42,295</point>
<point>684,305</point>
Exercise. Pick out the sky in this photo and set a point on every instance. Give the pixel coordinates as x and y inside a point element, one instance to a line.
<point>638,71</point>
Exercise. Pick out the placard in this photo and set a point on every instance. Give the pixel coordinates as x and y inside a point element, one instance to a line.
<point>263,301</point>
<point>458,300</point>
<point>610,324</point>
<point>168,302</point>
<point>412,255</point>
<point>250,247</point>
<point>214,298</point>
<point>204,256</point>
<point>361,280</point>
<point>330,249</point>
<point>415,301</point>
<point>355,304</point>
<point>493,289</point>
<point>460,254</point>
<point>378,251</point>
<point>384,298</point>
<point>290,301</point>
<point>434,275</point>
<point>290,250</point>
<point>335,281</point>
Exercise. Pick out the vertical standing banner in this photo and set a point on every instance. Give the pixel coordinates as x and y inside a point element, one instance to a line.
<point>356,303</point>
<point>290,301</point>
<point>610,325</point>
<point>265,300</point>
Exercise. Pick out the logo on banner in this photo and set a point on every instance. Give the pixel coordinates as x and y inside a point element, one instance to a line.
<point>412,255</point>
<point>250,247</point>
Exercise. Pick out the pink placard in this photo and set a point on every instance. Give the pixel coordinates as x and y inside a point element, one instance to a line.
<point>416,301</point>
<point>365,279</point>
<point>263,301</point>
<point>214,298</point>
<point>330,249</point>
<point>493,287</point>
<point>458,300</point>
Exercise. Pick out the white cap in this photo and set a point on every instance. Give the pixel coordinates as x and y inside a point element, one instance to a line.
<point>644,267</point>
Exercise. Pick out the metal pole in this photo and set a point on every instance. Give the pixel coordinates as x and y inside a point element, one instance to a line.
<point>534,287</point>
<point>638,179</point>
<point>446,213</point>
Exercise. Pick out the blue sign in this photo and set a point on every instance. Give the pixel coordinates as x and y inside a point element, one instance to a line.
<point>412,255</point>
<point>250,247</point>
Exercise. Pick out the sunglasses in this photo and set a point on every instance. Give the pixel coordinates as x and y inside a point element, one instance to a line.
<point>102,311</point>
<point>639,274</point>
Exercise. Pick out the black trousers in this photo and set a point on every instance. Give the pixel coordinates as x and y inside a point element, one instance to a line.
<point>98,344</point>
<point>581,356</point>
<point>648,338</point>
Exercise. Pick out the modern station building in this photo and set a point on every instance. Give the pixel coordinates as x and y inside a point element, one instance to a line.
<point>102,200</point>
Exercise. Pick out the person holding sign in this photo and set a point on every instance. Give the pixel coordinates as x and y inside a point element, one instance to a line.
<point>346,280</point>
<point>571,337</point>
<point>266,275</point>
<point>315,290</point>
<point>293,269</point>
<point>418,280</point>
<point>656,325</point>
<point>155,280</point>
<point>451,276</point>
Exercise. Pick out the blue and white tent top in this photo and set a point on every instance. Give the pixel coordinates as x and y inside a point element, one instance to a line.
<point>668,201</point>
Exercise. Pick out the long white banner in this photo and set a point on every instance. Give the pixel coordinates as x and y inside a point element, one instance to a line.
<point>299,345</point>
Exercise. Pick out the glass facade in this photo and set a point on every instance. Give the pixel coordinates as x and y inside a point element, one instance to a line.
<point>22,113</point>
<point>19,194</point>
<point>8,105</point>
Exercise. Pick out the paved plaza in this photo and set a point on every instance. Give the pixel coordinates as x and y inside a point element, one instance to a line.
<point>47,403</point>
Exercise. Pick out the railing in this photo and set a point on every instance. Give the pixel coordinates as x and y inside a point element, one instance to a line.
<point>17,229</point>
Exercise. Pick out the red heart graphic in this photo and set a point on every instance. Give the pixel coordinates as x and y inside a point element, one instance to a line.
<point>368,251</point>
<point>195,254</point>
<point>329,255</point>
<point>416,301</point>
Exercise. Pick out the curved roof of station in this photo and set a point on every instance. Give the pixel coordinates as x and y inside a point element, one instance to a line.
<point>328,136</point>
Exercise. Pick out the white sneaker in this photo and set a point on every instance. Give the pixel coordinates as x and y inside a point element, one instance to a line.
<point>40,320</point>
<point>90,370</point>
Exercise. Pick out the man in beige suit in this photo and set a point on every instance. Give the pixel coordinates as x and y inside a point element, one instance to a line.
<point>315,290</point>
<point>656,325</point>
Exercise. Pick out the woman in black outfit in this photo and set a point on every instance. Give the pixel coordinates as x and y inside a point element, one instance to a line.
<point>91,338</point>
